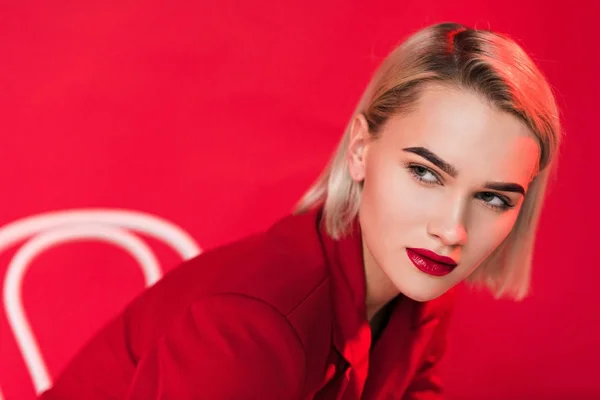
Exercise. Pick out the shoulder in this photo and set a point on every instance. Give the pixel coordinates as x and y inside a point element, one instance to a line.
<point>283,267</point>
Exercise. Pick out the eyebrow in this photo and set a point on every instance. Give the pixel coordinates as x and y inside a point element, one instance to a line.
<point>434,159</point>
<point>453,172</point>
<point>505,187</point>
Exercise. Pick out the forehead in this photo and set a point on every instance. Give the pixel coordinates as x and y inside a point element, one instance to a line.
<point>466,131</point>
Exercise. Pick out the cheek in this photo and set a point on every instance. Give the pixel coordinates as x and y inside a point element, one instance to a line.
<point>486,232</point>
<point>395,205</point>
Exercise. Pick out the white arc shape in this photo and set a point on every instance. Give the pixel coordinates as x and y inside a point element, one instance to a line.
<point>144,223</point>
<point>67,226</point>
<point>26,254</point>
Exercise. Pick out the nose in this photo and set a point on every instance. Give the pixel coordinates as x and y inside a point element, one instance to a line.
<point>449,225</point>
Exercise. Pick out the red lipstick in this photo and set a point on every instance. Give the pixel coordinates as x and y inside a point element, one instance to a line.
<point>431,263</point>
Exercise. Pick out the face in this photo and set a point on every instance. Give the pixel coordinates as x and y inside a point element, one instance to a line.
<point>446,178</point>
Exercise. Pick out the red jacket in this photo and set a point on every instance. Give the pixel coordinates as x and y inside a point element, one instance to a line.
<point>279,315</point>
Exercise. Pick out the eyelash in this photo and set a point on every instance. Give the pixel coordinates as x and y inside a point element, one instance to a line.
<point>506,205</point>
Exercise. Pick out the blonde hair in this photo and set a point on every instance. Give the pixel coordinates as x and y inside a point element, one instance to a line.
<point>488,63</point>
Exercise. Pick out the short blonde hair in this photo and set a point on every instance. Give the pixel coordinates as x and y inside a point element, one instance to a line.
<point>488,63</point>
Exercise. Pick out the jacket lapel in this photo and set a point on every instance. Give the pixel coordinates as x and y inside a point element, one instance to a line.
<point>351,330</point>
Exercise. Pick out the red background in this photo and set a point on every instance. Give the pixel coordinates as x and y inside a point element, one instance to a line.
<point>217,118</point>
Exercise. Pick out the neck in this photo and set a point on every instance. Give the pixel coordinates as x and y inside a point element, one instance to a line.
<point>380,289</point>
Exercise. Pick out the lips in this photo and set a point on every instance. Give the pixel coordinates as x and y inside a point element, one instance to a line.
<point>430,262</point>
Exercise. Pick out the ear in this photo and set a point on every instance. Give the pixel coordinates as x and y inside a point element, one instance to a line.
<point>357,146</point>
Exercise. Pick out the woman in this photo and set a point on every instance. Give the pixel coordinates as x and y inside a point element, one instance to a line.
<point>439,178</point>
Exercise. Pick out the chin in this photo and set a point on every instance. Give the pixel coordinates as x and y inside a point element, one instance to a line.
<point>421,292</point>
<point>421,297</point>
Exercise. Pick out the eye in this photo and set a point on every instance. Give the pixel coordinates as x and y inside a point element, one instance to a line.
<point>423,174</point>
<point>495,201</point>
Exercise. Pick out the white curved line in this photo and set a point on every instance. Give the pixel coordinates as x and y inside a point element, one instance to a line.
<point>134,220</point>
<point>18,267</point>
